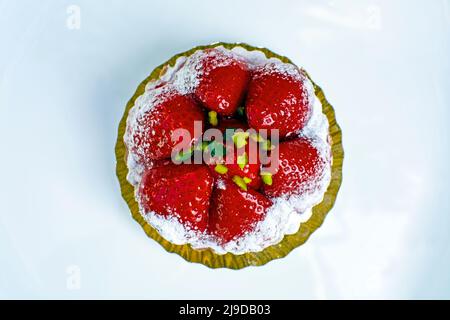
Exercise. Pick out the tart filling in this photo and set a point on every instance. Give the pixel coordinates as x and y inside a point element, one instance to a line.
<point>236,209</point>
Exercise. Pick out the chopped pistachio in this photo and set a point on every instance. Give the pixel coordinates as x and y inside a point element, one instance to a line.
<point>220,168</point>
<point>247,180</point>
<point>266,145</point>
<point>266,177</point>
<point>241,111</point>
<point>256,137</point>
<point>240,182</point>
<point>240,138</point>
<point>201,146</point>
<point>204,145</point>
<point>212,118</point>
<point>242,160</point>
<point>229,133</point>
<point>181,156</point>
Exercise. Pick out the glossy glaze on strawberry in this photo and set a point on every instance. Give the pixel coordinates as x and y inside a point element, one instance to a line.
<point>278,98</point>
<point>235,211</point>
<point>164,111</point>
<point>221,82</point>
<point>299,170</point>
<point>182,191</point>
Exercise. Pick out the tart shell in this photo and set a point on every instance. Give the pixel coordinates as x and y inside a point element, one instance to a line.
<point>229,260</point>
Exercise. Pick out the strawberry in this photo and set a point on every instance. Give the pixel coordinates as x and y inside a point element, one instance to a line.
<point>182,191</point>
<point>234,211</point>
<point>222,80</point>
<point>155,117</point>
<point>299,167</point>
<point>278,98</point>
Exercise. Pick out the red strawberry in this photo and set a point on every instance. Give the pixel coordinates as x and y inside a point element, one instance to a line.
<point>299,167</point>
<point>278,98</point>
<point>182,191</point>
<point>222,80</point>
<point>154,118</point>
<point>234,211</point>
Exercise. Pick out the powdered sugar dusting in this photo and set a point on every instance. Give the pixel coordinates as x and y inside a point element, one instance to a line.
<point>145,103</point>
<point>288,212</point>
<point>187,78</point>
<point>135,169</point>
<point>220,184</point>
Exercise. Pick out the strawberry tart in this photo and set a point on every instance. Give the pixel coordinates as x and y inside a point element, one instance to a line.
<point>228,150</point>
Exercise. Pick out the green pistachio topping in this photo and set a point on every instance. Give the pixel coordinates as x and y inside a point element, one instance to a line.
<point>181,156</point>
<point>266,177</point>
<point>220,168</point>
<point>266,145</point>
<point>229,133</point>
<point>201,146</point>
<point>241,111</point>
<point>256,137</point>
<point>240,182</point>
<point>242,160</point>
<point>240,138</point>
<point>212,118</point>
<point>247,180</point>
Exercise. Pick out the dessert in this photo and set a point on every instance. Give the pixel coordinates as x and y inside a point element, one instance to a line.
<point>227,151</point>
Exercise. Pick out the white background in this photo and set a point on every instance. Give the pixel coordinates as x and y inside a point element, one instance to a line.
<point>384,65</point>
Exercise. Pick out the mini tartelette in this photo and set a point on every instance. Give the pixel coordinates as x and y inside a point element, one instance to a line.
<point>227,210</point>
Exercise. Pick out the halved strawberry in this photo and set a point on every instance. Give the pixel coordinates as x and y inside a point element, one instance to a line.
<point>182,191</point>
<point>278,98</point>
<point>222,80</point>
<point>155,117</point>
<point>299,167</point>
<point>234,211</point>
